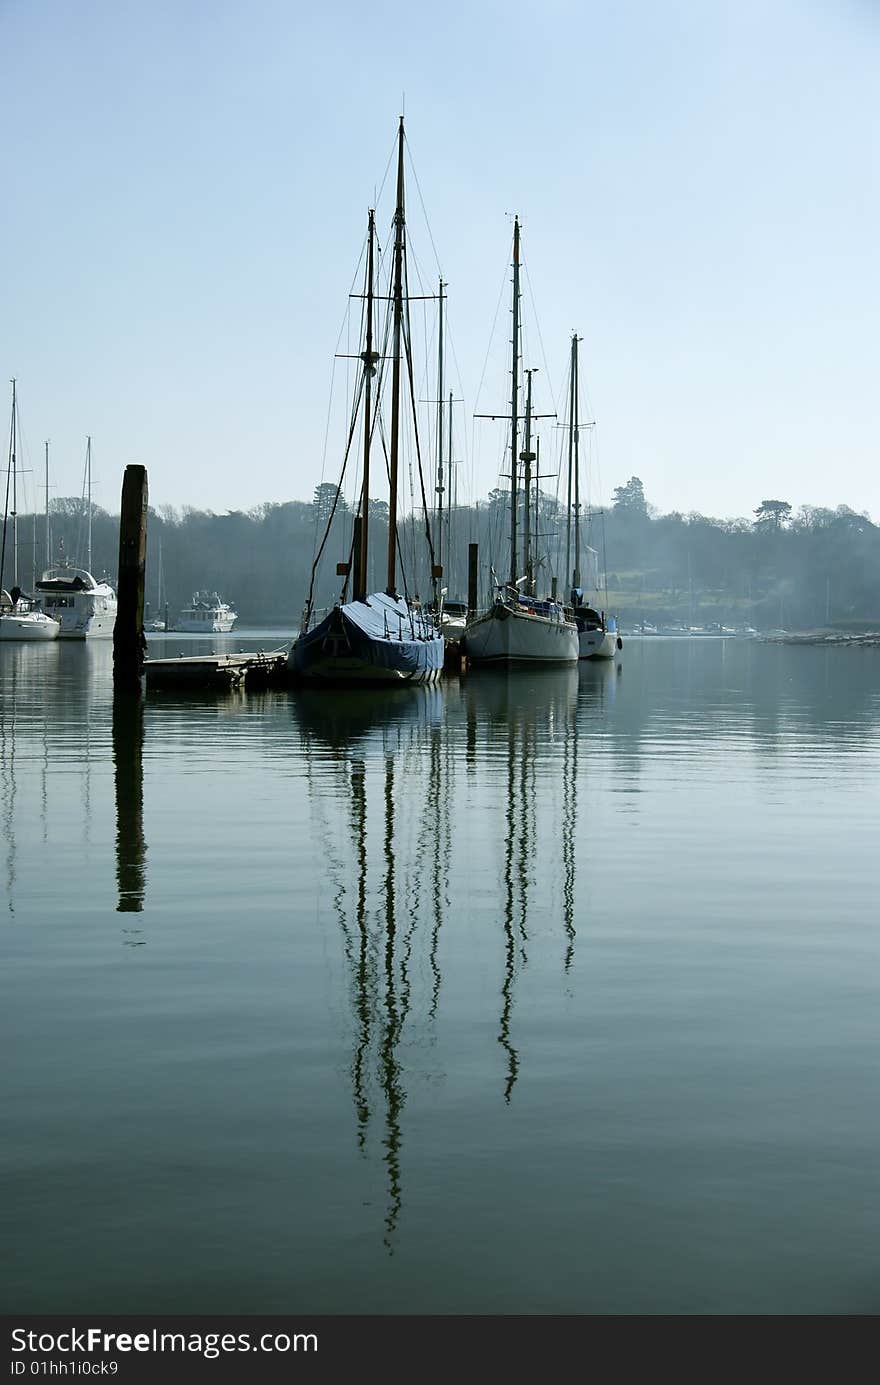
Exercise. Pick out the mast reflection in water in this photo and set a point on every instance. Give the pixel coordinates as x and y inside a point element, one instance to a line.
<point>396,763</point>
<point>535,716</point>
<point>370,741</point>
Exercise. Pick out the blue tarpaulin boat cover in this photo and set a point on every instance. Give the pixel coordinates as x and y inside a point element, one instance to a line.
<point>382,632</point>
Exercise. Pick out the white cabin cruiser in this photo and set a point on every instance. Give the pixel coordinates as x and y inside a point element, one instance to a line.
<point>84,608</point>
<point>206,615</point>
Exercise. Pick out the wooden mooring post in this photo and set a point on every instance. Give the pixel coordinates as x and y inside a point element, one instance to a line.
<point>473,549</point>
<point>129,642</point>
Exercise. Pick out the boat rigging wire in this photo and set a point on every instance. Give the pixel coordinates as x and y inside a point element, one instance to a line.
<point>537,323</point>
<point>422,203</point>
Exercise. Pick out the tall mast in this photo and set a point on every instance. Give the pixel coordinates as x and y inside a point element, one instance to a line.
<point>14,491</point>
<point>514,420</point>
<point>576,579</point>
<point>89,490</point>
<point>369,358</point>
<point>571,413</point>
<point>397,292</point>
<point>48,533</point>
<point>527,456</point>
<point>440,433</point>
<point>537,490</point>
<point>8,477</point>
<point>449,472</point>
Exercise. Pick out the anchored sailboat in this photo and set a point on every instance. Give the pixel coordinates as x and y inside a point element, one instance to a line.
<point>598,636</point>
<point>380,637</point>
<point>20,617</point>
<point>518,628</point>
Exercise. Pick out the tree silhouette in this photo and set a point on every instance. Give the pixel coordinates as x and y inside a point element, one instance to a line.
<point>630,499</point>
<point>772,514</point>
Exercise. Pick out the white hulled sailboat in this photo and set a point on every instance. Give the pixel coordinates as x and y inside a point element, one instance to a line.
<point>20,616</point>
<point>517,628</point>
<point>598,635</point>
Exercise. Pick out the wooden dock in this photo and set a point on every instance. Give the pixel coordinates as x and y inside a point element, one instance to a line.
<point>222,671</point>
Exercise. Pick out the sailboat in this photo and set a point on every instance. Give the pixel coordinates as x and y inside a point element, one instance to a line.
<point>598,635</point>
<point>378,638</point>
<point>518,628</point>
<point>158,624</point>
<point>20,617</point>
<point>85,607</point>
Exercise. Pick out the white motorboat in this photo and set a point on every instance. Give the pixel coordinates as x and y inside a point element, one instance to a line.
<point>207,614</point>
<point>84,607</point>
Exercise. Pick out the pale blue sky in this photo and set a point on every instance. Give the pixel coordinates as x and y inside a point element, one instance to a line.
<point>186,186</point>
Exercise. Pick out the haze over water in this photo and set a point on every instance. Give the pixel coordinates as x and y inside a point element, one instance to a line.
<point>538,993</point>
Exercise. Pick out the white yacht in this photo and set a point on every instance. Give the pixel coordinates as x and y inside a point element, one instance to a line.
<point>206,615</point>
<point>84,608</point>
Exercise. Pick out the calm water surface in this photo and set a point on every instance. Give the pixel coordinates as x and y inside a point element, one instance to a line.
<point>553,992</point>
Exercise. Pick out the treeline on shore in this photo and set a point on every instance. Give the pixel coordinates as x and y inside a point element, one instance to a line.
<point>783,567</point>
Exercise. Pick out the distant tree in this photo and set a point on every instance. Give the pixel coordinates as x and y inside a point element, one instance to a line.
<point>379,510</point>
<point>771,515</point>
<point>498,498</point>
<point>69,505</point>
<point>630,499</point>
<point>813,517</point>
<point>853,519</point>
<point>325,494</point>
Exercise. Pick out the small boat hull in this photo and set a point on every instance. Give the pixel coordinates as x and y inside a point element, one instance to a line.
<point>218,625</point>
<point>599,644</point>
<point>28,626</point>
<point>368,643</point>
<point>507,635</point>
<point>598,635</point>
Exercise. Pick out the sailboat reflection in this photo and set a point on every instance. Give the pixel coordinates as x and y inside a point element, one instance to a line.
<point>383,776</point>
<point>128,763</point>
<point>7,789</point>
<point>368,745</point>
<point>24,726</point>
<point>536,715</point>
